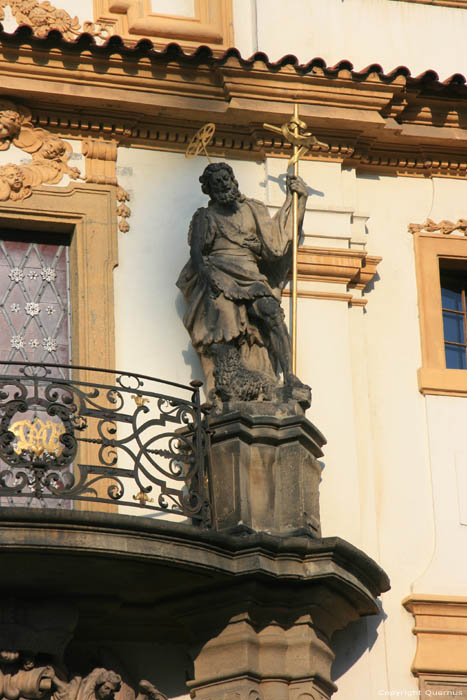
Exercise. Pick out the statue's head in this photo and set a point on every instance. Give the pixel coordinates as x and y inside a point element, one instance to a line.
<point>13,175</point>
<point>218,181</point>
<point>53,148</point>
<point>107,684</point>
<point>10,123</point>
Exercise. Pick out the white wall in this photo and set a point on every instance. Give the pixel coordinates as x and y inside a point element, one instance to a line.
<point>389,32</point>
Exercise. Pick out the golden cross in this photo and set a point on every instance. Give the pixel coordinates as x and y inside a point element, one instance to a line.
<point>295,132</point>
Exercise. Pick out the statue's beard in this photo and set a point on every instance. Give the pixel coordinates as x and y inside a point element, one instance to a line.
<point>228,197</point>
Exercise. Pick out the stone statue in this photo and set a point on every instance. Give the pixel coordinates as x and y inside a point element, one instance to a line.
<point>21,679</point>
<point>239,262</point>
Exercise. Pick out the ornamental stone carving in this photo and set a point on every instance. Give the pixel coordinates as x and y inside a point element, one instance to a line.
<point>50,154</point>
<point>20,677</point>
<point>101,167</point>
<point>445,227</point>
<point>43,17</point>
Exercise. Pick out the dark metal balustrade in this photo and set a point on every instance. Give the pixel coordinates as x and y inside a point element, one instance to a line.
<point>102,436</point>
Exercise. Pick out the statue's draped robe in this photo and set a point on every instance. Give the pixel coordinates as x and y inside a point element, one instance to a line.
<point>242,266</point>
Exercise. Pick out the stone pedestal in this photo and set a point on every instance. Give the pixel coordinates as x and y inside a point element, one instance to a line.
<point>265,472</point>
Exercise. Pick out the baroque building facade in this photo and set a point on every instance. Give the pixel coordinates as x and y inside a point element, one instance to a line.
<point>98,105</point>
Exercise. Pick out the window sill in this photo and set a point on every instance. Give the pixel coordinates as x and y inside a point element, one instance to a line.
<point>443,382</point>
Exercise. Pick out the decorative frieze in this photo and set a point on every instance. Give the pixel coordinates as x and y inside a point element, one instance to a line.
<point>445,227</point>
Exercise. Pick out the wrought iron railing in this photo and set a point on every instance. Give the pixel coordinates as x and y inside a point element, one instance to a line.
<point>101,436</point>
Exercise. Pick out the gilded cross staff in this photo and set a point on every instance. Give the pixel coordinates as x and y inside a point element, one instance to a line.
<point>295,132</point>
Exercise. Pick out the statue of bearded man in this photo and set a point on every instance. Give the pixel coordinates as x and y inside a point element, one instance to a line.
<point>239,261</point>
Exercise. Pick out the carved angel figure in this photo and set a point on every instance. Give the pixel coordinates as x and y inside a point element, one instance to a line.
<point>20,679</point>
<point>101,684</point>
<point>12,183</point>
<point>54,153</point>
<point>12,118</point>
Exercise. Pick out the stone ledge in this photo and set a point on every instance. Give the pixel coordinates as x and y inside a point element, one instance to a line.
<point>102,537</point>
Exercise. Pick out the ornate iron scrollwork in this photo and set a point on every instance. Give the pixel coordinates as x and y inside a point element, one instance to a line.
<point>77,439</point>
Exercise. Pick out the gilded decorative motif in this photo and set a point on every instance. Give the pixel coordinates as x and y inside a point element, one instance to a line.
<point>50,154</point>
<point>445,227</point>
<point>42,17</point>
<point>37,437</point>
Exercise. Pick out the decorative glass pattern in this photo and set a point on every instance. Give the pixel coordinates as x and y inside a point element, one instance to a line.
<point>35,326</point>
<point>34,303</point>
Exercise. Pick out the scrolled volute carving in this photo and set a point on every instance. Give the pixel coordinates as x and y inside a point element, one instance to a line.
<point>20,678</point>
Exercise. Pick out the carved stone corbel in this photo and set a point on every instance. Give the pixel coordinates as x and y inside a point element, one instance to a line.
<point>101,161</point>
<point>101,168</point>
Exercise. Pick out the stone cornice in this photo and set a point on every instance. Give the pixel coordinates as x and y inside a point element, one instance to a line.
<point>371,121</point>
<point>441,631</point>
<point>352,268</point>
<point>205,552</point>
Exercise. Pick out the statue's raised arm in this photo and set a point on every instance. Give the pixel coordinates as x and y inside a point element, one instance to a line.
<point>239,261</point>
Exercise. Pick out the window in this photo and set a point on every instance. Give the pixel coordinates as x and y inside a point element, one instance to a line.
<point>441,266</point>
<point>35,323</point>
<point>454,316</point>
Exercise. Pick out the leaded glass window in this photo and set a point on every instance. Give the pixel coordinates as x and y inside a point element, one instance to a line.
<point>34,300</point>
<point>35,326</point>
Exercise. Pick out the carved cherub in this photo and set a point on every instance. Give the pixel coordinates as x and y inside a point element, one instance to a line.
<point>12,183</point>
<point>55,153</point>
<point>12,119</point>
<point>100,684</point>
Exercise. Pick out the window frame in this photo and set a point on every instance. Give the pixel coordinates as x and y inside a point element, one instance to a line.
<point>88,212</point>
<point>433,377</point>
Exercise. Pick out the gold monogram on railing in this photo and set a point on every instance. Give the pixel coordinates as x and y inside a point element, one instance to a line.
<point>38,437</point>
